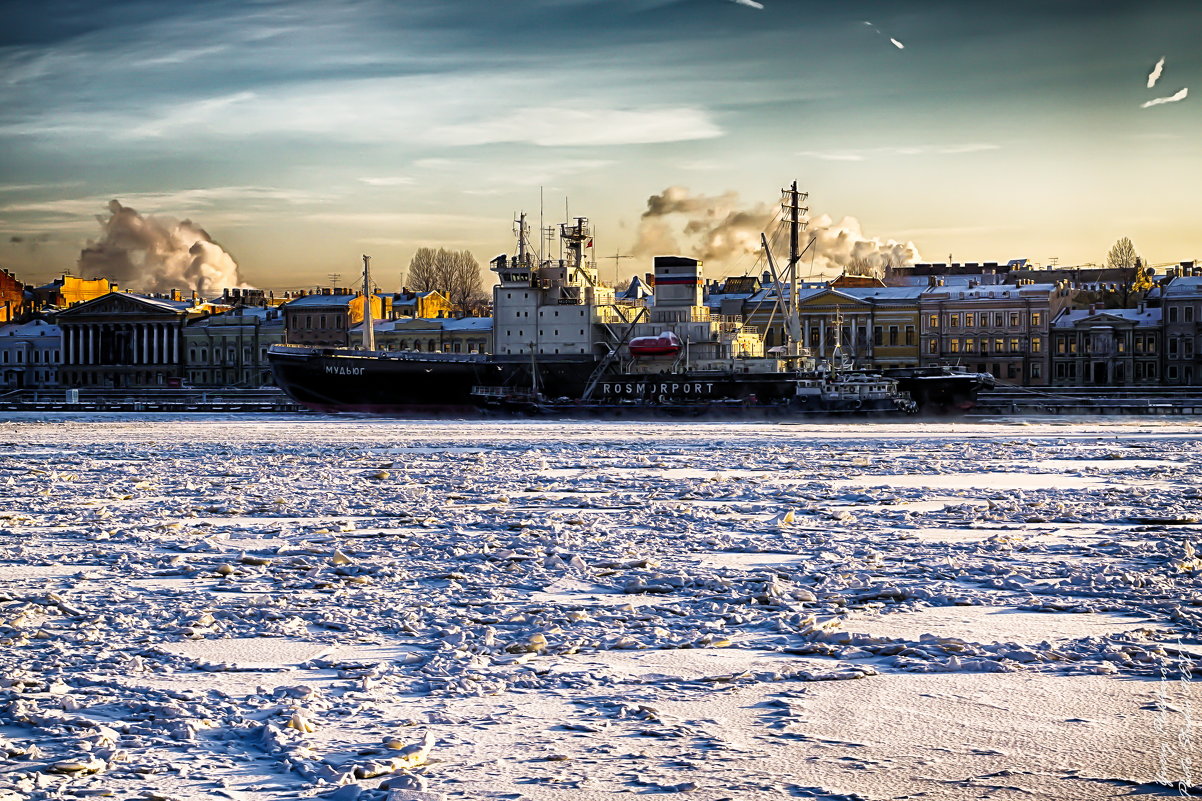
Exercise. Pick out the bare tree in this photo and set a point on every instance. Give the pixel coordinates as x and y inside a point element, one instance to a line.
<point>454,273</point>
<point>1137,279</point>
<point>1122,254</point>
<point>423,270</point>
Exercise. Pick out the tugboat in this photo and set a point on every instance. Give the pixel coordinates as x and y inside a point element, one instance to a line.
<point>564,344</point>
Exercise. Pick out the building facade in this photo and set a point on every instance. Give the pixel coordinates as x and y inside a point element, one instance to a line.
<point>327,318</point>
<point>1107,347</point>
<point>439,335</point>
<point>230,349</point>
<point>122,340</point>
<point>29,355</point>
<point>1001,329</point>
<point>1181,301</point>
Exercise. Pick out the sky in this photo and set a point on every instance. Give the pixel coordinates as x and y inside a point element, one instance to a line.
<point>300,135</point>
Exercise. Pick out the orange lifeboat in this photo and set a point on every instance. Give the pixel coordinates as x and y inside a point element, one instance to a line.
<point>666,344</point>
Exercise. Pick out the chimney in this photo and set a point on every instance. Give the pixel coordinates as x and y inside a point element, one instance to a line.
<point>177,295</point>
<point>1093,309</point>
<point>1142,306</point>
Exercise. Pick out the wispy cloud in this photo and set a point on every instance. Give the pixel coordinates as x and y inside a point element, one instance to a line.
<point>389,180</point>
<point>1154,75</point>
<point>574,127</point>
<point>1160,101</point>
<point>814,154</point>
<point>749,4</point>
<point>912,150</point>
<point>180,202</point>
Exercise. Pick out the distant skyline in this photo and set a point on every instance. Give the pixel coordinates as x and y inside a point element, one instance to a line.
<point>301,135</point>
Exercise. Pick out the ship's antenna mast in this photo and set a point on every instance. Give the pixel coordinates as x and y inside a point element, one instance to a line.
<point>541,223</point>
<point>792,204</point>
<point>369,325</point>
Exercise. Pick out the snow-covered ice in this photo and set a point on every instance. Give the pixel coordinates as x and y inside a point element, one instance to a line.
<point>294,607</point>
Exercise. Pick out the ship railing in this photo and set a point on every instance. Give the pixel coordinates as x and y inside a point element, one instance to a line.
<point>507,393</point>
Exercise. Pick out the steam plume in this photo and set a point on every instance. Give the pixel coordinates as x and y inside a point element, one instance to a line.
<point>1154,75</point>
<point>157,254</point>
<point>715,229</point>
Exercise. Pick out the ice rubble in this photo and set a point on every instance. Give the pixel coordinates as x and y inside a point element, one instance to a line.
<point>470,609</point>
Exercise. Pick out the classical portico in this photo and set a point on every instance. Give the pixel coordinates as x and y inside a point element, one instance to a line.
<point>122,340</point>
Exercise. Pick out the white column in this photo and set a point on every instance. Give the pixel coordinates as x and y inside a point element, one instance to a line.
<point>91,357</point>
<point>154,343</point>
<point>174,344</point>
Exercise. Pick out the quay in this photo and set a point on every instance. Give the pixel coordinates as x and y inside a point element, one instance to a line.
<point>1090,401</point>
<point>267,399</point>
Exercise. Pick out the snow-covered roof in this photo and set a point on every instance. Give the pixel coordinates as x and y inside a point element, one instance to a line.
<point>1146,317</point>
<point>320,300</point>
<point>882,292</point>
<point>467,324</point>
<point>993,292</point>
<point>34,328</point>
<point>1183,286</point>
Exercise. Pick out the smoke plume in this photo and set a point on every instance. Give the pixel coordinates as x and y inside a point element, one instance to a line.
<point>157,254</point>
<point>717,230</point>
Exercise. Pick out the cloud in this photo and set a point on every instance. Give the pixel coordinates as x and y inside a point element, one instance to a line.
<point>1154,75</point>
<point>1184,93</point>
<point>388,180</point>
<point>912,150</point>
<point>897,44</point>
<point>174,202</point>
<point>832,156</point>
<point>576,127</point>
<point>749,4</point>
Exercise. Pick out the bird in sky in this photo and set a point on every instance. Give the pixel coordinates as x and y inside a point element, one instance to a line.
<point>1154,75</point>
<point>1181,95</point>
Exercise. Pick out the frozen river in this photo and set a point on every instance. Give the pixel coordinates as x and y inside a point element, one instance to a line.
<point>293,607</point>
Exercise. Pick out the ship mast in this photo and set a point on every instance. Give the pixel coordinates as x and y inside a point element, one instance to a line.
<point>792,204</point>
<point>369,325</point>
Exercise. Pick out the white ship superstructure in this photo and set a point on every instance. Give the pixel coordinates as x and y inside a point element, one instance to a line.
<point>560,308</point>
<point>556,308</point>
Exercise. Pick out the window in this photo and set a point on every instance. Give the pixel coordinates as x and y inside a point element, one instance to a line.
<point>1036,370</point>
<point>997,320</point>
<point>911,335</point>
<point>999,345</point>
<point>1072,346</point>
<point>1172,314</point>
<point>1151,343</point>
<point>1172,371</point>
<point>954,321</point>
<point>970,345</point>
<point>1187,348</point>
<point>893,338</point>
<point>970,319</point>
<point>933,321</point>
<point>1014,346</point>
<point>1036,319</point>
<point>1139,344</point>
<point>932,346</point>
<point>1173,348</point>
<point>1189,314</point>
<point>954,345</point>
<point>1037,344</point>
<point>1014,319</point>
<point>878,335</point>
<point>1121,343</point>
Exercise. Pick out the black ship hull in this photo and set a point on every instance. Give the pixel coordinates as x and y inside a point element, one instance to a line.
<point>338,380</point>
